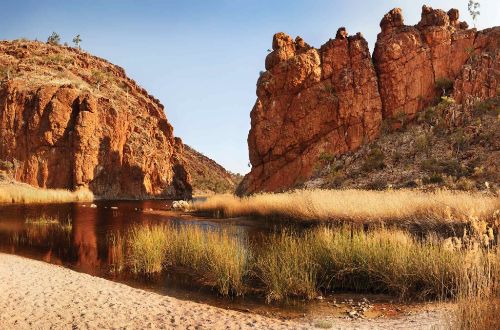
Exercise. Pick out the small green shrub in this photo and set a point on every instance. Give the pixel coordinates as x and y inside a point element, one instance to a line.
<point>433,178</point>
<point>6,72</point>
<point>460,140</point>
<point>444,86</point>
<point>374,160</point>
<point>422,143</point>
<point>400,117</point>
<point>446,166</point>
<point>397,157</point>
<point>54,39</point>
<point>6,165</point>
<point>332,93</point>
<point>489,106</point>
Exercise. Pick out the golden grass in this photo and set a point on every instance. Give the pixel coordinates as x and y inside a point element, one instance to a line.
<point>287,267</point>
<point>322,259</point>
<point>391,261</point>
<point>25,194</point>
<point>218,257</point>
<point>146,249</point>
<point>479,297</point>
<point>399,206</point>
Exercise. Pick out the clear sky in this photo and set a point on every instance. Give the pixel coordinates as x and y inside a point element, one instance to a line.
<point>202,58</point>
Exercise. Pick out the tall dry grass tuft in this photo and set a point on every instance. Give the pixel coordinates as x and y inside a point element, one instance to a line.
<point>390,261</point>
<point>398,206</point>
<point>479,292</point>
<point>146,249</point>
<point>287,267</point>
<point>218,257</point>
<point>25,194</point>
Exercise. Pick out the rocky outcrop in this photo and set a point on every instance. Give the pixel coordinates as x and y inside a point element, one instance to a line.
<point>310,101</point>
<point>331,100</point>
<point>70,120</point>
<point>410,59</point>
<point>479,78</point>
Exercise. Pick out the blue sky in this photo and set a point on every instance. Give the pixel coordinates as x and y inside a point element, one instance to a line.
<point>202,58</point>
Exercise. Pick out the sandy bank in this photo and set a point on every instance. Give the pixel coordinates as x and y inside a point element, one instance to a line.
<point>38,295</point>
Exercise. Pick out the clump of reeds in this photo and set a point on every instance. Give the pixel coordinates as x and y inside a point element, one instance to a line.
<point>479,289</point>
<point>217,256</point>
<point>22,193</point>
<point>45,230</point>
<point>362,206</point>
<point>286,266</point>
<point>146,249</point>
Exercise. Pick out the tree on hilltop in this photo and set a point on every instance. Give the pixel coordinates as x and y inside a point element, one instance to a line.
<point>54,39</point>
<point>473,8</point>
<point>77,40</point>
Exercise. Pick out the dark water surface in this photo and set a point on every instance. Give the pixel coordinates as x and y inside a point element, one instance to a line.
<point>86,246</point>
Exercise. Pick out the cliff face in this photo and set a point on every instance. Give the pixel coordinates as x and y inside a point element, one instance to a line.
<point>332,100</point>
<point>413,62</point>
<point>69,120</point>
<point>310,101</point>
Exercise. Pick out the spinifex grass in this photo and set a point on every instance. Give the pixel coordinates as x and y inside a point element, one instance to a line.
<point>146,249</point>
<point>286,266</point>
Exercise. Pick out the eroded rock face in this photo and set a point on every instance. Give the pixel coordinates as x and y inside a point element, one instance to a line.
<point>331,100</point>
<point>310,102</point>
<point>410,59</point>
<point>69,120</point>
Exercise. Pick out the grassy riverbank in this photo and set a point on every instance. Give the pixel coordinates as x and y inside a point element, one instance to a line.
<point>303,265</point>
<point>401,207</point>
<point>26,194</point>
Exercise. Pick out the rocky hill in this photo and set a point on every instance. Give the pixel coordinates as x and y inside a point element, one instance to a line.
<point>69,119</point>
<point>327,102</point>
<point>207,176</point>
<point>444,146</point>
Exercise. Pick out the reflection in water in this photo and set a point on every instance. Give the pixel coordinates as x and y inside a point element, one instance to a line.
<point>84,245</point>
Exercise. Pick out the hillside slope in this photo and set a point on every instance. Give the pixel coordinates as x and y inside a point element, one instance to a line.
<point>428,152</point>
<point>207,176</point>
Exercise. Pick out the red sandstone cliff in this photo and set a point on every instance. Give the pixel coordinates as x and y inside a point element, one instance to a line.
<point>310,101</point>
<point>333,99</point>
<point>69,120</point>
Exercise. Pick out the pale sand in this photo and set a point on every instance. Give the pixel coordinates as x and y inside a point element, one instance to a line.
<point>37,295</point>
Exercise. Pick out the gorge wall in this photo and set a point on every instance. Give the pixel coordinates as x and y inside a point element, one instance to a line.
<point>70,120</point>
<point>334,99</point>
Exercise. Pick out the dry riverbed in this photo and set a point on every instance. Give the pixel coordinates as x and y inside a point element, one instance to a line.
<point>35,294</point>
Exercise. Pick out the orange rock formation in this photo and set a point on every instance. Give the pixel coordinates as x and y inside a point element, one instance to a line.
<point>333,99</point>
